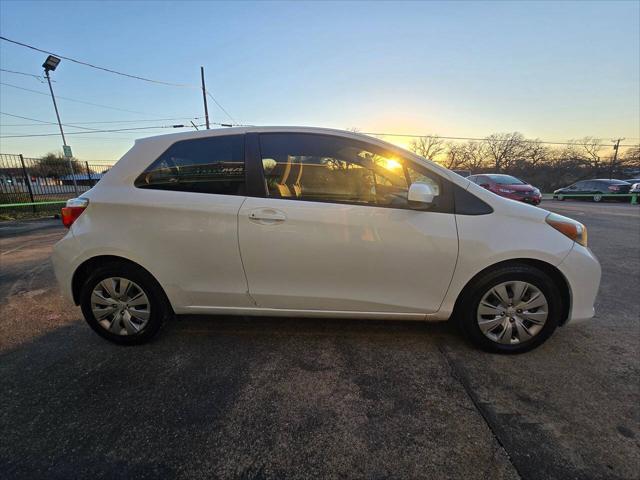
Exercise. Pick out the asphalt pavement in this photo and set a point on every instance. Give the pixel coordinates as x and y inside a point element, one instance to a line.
<point>262,398</point>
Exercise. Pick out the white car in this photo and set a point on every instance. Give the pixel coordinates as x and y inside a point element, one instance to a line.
<point>310,222</point>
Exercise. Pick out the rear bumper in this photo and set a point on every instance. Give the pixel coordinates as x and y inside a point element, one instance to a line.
<point>582,271</point>
<point>62,258</point>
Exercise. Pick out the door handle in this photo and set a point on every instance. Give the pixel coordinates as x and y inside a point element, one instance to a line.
<point>267,216</point>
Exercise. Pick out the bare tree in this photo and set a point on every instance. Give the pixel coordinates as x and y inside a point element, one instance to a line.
<point>429,147</point>
<point>587,149</point>
<point>473,155</point>
<point>536,153</point>
<point>455,157</point>
<point>503,149</point>
<point>631,158</point>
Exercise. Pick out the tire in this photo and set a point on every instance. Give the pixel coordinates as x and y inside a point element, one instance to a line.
<point>597,198</point>
<point>156,308</point>
<point>468,313</point>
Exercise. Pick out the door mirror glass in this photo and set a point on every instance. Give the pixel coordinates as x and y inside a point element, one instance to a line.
<point>420,195</point>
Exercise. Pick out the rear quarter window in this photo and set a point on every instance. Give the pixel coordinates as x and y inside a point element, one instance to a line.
<point>212,165</point>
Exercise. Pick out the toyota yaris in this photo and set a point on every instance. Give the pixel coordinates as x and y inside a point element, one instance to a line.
<point>313,222</point>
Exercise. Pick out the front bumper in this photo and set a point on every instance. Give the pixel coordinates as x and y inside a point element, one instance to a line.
<point>533,199</point>
<point>582,271</point>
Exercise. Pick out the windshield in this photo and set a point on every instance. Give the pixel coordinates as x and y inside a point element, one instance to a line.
<point>505,180</point>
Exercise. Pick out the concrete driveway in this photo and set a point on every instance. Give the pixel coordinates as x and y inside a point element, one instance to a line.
<point>223,397</point>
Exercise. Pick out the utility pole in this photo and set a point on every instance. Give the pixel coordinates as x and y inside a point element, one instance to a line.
<point>50,64</point>
<point>615,155</point>
<point>204,97</point>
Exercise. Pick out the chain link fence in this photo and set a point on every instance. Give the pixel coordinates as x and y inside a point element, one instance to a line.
<point>40,186</point>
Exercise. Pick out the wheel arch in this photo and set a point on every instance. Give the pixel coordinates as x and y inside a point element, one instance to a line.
<point>84,269</point>
<point>556,276</point>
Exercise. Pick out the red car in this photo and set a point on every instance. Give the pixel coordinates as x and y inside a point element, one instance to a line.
<point>508,186</point>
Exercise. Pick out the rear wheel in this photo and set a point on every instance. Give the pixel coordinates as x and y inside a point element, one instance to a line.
<point>510,310</point>
<point>597,197</point>
<point>123,303</point>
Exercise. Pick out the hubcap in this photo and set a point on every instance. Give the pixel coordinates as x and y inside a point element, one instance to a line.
<point>512,312</point>
<point>120,306</point>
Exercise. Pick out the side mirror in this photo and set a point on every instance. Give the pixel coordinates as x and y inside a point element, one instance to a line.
<point>420,195</point>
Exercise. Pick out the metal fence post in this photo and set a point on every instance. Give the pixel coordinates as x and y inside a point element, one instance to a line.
<point>28,182</point>
<point>88,173</point>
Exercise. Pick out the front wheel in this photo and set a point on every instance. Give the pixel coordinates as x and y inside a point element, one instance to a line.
<point>597,198</point>
<point>123,303</point>
<point>512,309</point>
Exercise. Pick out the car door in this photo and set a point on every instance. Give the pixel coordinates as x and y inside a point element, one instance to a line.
<point>334,232</point>
<point>184,218</point>
<point>582,187</point>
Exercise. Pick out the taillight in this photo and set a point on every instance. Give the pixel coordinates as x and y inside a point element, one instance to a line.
<point>73,210</point>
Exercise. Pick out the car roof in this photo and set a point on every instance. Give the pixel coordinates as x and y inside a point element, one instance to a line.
<point>151,147</point>
<point>611,180</point>
<point>174,137</point>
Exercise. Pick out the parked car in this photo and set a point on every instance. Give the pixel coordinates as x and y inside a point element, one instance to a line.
<point>313,222</point>
<point>633,182</point>
<point>635,188</point>
<point>593,189</point>
<point>508,186</point>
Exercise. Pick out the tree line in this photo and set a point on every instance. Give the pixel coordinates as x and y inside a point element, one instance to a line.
<point>546,166</point>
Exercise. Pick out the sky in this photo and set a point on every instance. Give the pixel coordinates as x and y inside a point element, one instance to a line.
<point>550,70</point>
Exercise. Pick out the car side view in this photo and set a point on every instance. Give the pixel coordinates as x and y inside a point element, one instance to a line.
<point>508,186</point>
<point>311,222</point>
<point>593,189</point>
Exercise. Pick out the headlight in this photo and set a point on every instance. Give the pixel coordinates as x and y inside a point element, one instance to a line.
<point>568,227</point>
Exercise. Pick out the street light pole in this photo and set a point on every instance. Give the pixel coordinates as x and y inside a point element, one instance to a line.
<point>64,141</point>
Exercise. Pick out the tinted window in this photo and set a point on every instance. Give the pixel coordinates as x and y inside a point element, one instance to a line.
<point>333,169</point>
<point>204,165</point>
<point>616,182</point>
<point>505,180</point>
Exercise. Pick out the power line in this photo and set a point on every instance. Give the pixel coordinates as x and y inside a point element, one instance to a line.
<point>42,122</point>
<point>387,134</point>
<point>221,107</point>
<point>110,70</point>
<point>72,99</point>
<point>39,77</point>
<point>150,127</point>
<point>87,64</point>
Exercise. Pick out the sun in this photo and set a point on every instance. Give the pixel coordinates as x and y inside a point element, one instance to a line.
<point>392,164</point>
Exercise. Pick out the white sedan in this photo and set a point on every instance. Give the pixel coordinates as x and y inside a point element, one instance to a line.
<point>310,222</point>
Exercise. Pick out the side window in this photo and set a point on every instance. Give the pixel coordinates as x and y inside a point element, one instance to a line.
<point>203,165</point>
<point>333,169</point>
